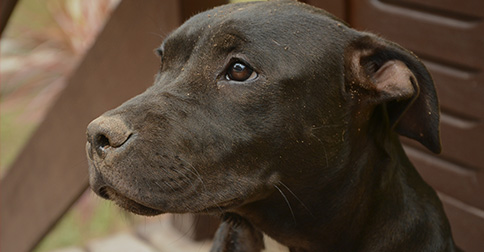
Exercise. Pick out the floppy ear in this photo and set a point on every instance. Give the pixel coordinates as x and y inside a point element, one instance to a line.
<point>393,76</point>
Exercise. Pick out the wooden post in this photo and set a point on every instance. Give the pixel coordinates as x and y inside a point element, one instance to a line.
<point>51,172</point>
<point>6,9</point>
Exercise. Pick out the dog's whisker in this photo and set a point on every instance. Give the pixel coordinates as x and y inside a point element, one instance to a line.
<point>287,201</point>
<point>184,175</point>
<point>186,206</point>
<point>298,199</point>
<point>194,171</point>
<point>191,183</point>
<point>161,36</point>
<point>167,184</point>
<point>326,156</point>
<point>199,177</point>
<point>326,126</point>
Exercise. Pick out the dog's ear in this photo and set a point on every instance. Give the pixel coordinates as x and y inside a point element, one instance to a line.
<point>385,73</point>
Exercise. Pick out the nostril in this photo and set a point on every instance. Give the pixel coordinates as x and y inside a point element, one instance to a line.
<point>102,141</point>
<point>103,192</point>
<point>106,132</point>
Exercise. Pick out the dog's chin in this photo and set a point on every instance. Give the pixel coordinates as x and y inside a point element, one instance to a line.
<point>221,207</point>
<point>141,209</point>
<point>129,204</point>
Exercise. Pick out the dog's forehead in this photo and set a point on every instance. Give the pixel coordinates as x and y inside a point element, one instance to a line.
<point>257,21</point>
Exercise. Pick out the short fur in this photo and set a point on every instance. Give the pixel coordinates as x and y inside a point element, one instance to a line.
<point>307,152</point>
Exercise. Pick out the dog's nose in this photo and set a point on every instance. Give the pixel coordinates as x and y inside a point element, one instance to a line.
<point>107,132</point>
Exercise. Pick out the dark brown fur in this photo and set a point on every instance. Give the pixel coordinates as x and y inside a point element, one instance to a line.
<point>307,152</point>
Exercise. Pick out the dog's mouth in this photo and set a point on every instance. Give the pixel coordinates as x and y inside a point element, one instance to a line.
<point>127,203</point>
<point>140,209</point>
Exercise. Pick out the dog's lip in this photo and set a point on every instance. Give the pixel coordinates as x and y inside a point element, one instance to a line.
<point>127,203</point>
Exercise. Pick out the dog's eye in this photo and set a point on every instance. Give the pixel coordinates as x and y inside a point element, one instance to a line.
<point>239,71</point>
<point>159,53</point>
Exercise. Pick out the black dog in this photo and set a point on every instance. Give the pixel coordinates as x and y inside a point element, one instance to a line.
<point>283,120</point>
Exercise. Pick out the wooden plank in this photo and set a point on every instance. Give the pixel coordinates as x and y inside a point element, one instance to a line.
<point>6,9</point>
<point>453,41</point>
<point>468,9</point>
<point>453,179</point>
<point>455,62</point>
<point>446,35</point>
<point>467,223</point>
<point>460,91</point>
<point>335,7</point>
<point>51,172</point>
<point>192,7</point>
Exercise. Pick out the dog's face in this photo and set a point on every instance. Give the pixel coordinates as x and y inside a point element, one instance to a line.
<point>248,95</point>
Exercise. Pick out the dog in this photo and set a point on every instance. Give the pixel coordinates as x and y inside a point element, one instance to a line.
<point>285,122</point>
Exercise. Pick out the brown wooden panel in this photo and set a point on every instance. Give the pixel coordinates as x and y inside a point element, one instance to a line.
<point>462,141</point>
<point>460,92</point>
<point>453,41</point>
<point>449,37</point>
<point>451,48</point>
<point>335,7</point>
<point>191,7</point>
<point>451,178</point>
<point>469,9</point>
<point>467,224</point>
<point>51,172</point>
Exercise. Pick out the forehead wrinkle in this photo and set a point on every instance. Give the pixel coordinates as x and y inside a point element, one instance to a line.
<point>173,42</point>
<point>229,41</point>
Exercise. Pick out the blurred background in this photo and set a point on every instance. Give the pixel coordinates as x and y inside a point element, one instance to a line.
<point>42,44</point>
<point>39,48</point>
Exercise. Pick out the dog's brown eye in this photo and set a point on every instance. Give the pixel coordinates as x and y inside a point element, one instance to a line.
<point>240,72</point>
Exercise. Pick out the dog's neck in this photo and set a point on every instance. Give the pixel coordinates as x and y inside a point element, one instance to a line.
<point>366,185</point>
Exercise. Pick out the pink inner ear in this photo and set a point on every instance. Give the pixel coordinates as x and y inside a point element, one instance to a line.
<point>393,81</point>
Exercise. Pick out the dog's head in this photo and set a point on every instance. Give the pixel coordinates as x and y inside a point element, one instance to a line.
<point>249,95</point>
